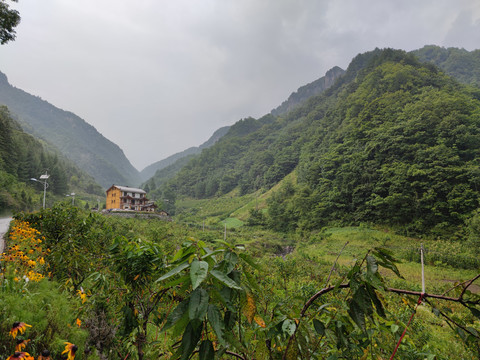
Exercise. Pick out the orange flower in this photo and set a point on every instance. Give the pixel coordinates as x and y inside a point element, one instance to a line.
<point>20,355</point>
<point>21,344</point>
<point>45,355</point>
<point>79,322</point>
<point>70,350</point>
<point>18,326</point>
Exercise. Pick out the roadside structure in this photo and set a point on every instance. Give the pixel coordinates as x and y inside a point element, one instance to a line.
<point>128,198</point>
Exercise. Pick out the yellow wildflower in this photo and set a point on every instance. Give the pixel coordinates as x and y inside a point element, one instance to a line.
<point>70,350</point>
<point>18,327</point>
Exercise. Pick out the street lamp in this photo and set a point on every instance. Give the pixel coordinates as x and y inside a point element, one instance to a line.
<point>43,177</point>
<point>73,197</point>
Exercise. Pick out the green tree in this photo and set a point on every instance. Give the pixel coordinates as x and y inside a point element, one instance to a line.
<point>216,288</point>
<point>9,19</point>
<point>138,263</point>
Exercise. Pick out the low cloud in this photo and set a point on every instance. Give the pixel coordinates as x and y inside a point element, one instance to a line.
<point>177,71</point>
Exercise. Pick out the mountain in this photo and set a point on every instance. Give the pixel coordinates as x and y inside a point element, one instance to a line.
<point>168,168</point>
<point>307,91</point>
<point>150,170</point>
<point>461,64</point>
<point>393,141</point>
<point>22,157</point>
<point>76,139</point>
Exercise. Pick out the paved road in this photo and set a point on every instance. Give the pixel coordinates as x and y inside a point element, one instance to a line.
<point>4,222</point>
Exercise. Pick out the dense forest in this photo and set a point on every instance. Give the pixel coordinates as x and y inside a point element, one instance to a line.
<point>463,65</point>
<point>23,157</point>
<point>394,141</point>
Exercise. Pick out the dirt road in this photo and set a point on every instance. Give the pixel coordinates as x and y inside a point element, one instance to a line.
<point>4,223</point>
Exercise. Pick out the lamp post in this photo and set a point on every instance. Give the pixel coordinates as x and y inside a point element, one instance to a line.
<point>73,197</point>
<point>43,177</point>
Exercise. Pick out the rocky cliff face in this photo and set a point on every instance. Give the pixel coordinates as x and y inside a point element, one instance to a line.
<point>307,91</point>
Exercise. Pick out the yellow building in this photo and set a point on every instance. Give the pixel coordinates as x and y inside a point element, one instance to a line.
<point>128,198</point>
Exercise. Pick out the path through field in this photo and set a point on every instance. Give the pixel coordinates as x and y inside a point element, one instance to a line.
<point>4,223</point>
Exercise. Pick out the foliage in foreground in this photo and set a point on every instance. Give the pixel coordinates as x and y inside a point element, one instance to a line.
<point>149,290</point>
<point>29,297</point>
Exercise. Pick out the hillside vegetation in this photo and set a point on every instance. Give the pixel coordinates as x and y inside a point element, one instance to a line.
<point>394,141</point>
<point>153,173</point>
<point>167,169</point>
<point>23,157</point>
<point>76,140</point>
<point>147,289</point>
<point>461,64</point>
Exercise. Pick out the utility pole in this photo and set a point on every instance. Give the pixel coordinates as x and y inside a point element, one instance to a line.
<point>423,270</point>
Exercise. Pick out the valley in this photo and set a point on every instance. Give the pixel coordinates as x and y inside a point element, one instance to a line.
<point>293,236</point>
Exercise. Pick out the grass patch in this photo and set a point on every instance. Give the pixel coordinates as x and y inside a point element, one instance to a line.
<point>233,223</point>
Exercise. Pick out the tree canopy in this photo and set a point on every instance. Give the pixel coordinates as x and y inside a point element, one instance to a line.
<point>9,20</point>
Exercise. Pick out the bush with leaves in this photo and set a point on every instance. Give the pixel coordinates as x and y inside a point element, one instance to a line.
<point>216,312</point>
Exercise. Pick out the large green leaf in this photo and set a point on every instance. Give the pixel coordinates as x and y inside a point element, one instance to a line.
<point>216,321</point>
<point>178,255</point>
<point>250,261</point>
<point>386,259</point>
<point>190,338</point>
<point>198,272</point>
<point>319,327</point>
<point>231,260</point>
<point>475,311</point>
<point>174,271</point>
<point>206,351</point>
<point>360,306</point>
<point>198,305</point>
<point>176,314</point>
<point>224,279</point>
<point>376,301</point>
<point>176,281</point>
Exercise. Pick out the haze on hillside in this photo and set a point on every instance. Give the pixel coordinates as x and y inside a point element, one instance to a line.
<point>159,77</point>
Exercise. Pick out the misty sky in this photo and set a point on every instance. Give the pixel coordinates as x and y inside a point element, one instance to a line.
<point>157,76</point>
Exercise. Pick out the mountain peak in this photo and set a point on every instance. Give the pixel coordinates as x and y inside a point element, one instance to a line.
<point>307,91</point>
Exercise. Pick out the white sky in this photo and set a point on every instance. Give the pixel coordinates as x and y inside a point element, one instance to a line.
<point>158,76</point>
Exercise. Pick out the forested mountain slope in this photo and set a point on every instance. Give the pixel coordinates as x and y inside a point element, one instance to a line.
<point>461,64</point>
<point>23,157</point>
<point>76,139</point>
<point>168,168</point>
<point>393,141</point>
<point>151,170</point>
